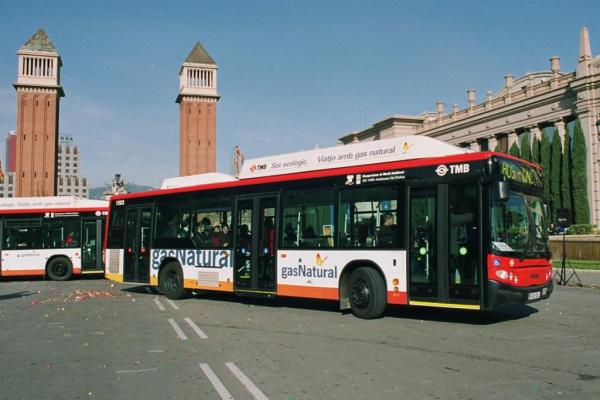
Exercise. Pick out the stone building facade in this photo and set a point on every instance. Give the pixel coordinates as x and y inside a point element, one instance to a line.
<point>197,113</point>
<point>529,104</point>
<point>38,95</point>
<point>7,187</point>
<point>68,168</point>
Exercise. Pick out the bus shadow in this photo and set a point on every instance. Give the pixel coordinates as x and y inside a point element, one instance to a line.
<point>141,289</point>
<point>15,295</point>
<point>508,313</point>
<point>260,301</point>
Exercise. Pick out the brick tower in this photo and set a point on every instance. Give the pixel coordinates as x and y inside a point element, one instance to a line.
<point>38,95</point>
<point>197,113</point>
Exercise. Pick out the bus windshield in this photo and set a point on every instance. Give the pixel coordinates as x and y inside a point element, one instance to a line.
<point>519,225</point>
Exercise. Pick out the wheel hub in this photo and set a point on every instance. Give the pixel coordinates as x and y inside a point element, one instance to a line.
<point>360,294</point>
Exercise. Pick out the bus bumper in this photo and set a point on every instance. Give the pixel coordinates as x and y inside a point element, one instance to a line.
<point>500,294</point>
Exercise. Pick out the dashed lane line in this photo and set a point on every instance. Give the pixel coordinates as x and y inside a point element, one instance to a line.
<point>159,305</point>
<point>216,382</point>
<point>178,330</point>
<point>175,306</point>
<point>196,329</point>
<point>252,388</point>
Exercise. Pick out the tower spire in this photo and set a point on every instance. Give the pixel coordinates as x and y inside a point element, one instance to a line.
<point>585,49</point>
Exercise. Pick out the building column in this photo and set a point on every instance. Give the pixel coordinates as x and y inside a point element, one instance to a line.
<point>492,143</point>
<point>535,132</point>
<point>512,138</point>
<point>592,144</point>
<point>560,128</point>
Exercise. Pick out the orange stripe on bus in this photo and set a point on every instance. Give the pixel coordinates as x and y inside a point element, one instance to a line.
<point>308,291</point>
<point>23,272</point>
<point>223,286</point>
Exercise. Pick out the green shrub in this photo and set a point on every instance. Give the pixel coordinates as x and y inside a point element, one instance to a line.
<point>581,229</point>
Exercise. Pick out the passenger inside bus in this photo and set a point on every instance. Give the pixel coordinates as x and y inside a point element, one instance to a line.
<point>290,235</point>
<point>204,234</point>
<point>387,232</point>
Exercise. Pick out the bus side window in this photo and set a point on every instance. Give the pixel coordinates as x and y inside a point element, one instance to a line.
<point>308,218</point>
<point>367,217</point>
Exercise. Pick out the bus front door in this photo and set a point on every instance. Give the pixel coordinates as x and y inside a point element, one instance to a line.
<point>91,249</point>
<point>445,264</point>
<point>255,244</point>
<point>137,245</point>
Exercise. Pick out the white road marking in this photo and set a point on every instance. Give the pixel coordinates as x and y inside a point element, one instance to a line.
<point>177,329</point>
<point>198,331</point>
<point>134,371</point>
<point>216,382</point>
<point>175,306</point>
<point>159,305</point>
<point>156,351</point>
<point>252,388</point>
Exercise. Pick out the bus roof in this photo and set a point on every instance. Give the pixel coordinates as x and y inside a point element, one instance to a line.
<point>377,151</point>
<point>403,152</point>
<point>373,152</point>
<point>50,203</point>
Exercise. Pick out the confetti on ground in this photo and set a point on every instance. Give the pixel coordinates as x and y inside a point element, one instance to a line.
<point>82,295</point>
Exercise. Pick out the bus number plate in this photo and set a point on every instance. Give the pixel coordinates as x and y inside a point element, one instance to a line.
<point>534,295</point>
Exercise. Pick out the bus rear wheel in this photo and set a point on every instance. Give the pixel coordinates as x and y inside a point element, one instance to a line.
<point>170,281</point>
<point>367,293</point>
<point>59,269</point>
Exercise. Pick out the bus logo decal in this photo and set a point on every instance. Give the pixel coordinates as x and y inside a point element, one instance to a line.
<point>441,170</point>
<point>304,271</point>
<point>194,258</point>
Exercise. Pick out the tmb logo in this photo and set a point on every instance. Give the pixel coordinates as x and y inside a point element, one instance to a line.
<point>258,167</point>
<point>442,170</point>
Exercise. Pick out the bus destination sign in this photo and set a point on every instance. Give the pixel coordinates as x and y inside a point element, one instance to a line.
<point>517,172</point>
<point>374,177</point>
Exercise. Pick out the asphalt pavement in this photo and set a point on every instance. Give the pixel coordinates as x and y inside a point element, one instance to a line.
<point>94,339</point>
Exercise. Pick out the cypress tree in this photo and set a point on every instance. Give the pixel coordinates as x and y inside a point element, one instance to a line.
<point>581,208</point>
<point>525,148</point>
<point>545,163</point>
<point>555,169</point>
<point>535,150</point>
<point>514,150</point>
<point>565,174</point>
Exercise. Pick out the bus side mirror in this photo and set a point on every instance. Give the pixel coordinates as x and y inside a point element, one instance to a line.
<point>503,190</point>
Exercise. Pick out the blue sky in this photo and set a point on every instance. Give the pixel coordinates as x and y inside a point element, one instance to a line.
<point>292,74</point>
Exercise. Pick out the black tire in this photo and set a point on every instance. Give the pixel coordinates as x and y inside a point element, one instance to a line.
<point>59,269</point>
<point>170,281</point>
<point>367,293</point>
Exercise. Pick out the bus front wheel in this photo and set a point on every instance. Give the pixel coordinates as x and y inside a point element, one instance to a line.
<point>367,293</point>
<point>59,269</point>
<point>170,281</point>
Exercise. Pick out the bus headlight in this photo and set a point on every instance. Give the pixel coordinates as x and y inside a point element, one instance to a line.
<point>502,274</point>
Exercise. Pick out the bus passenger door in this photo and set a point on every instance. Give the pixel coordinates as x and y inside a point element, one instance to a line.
<point>137,245</point>
<point>255,244</point>
<point>91,250</point>
<point>444,246</point>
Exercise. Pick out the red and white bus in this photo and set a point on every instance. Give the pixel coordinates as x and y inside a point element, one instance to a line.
<point>53,237</point>
<point>411,221</point>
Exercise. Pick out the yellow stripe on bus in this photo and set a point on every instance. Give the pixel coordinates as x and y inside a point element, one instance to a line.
<point>445,305</point>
